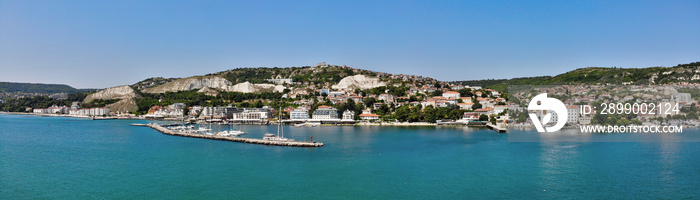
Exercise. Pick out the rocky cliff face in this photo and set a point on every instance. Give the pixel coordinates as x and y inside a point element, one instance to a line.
<point>119,92</point>
<point>248,87</point>
<point>359,81</point>
<point>125,93</point>
<point>191,83</point>
<point>213,82</point>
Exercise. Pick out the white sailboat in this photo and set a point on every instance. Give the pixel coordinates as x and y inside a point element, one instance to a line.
<point>278,137</point>
<point>231,132</point>
<point>207,131</point>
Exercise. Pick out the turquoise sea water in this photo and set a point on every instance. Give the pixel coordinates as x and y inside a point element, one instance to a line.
<point>66,158</point>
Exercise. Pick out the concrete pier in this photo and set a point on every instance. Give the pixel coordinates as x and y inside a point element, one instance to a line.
<point>496,128</point>
<point>232,139</point>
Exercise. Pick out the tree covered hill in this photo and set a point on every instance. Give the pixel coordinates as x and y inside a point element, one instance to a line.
<point>602,75</point>
<point>36,88</point>
<point>320,74</point>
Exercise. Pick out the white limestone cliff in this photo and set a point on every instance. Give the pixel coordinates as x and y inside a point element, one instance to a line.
<point>359,81</point>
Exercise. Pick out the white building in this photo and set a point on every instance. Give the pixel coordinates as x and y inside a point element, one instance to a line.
<point>99,111</point>
<point>451,95</point>
<point>497,109</point>
<point>681,97</point>
<point>573,117</point>
<point>369,116</point>
<point>465,106</point>
<point>325,113</point>
<point>248,116</point>
<point>584,120</point>
<point>349,115</point>
<point>177,106</point>
<point>280,81</point>
<point>90,112</point>
<point>57,110</point>
<point>169,112</point>
<point>299,114</point>
<point>252,114</point>
<point>218,112</point>
<point>52,110</point>
<point>40,111</point>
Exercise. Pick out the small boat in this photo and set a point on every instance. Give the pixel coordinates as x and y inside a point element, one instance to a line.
<point>231,132</point>
<point>273,137</point>
<point>206,131</point>
<point>307,124</point>
<point>202,129</point>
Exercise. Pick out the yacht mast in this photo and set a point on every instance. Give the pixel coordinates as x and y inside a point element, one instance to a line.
<point>279,122</point>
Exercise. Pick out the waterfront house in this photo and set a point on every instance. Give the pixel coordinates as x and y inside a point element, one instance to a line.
<point>482,111</point>
<point>369,116</point>
<point>40,111</point>
<point>299,114</point>
<point>90,112</point>
<point>57,110</point>
<point>252,114</point>
<point>469,116</point>
<point>325,113</point>
<point>348,116</point>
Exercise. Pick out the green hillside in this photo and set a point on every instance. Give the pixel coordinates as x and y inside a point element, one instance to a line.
<point>36,88</point>
<point>603,75</point>
<point>320,74</point>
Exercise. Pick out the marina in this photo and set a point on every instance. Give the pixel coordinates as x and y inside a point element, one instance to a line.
<point>288,143</point>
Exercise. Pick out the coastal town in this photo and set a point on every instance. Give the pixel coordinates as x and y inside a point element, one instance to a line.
<point>310,111</point>
<point>361,97</point>
<point>341,95</point>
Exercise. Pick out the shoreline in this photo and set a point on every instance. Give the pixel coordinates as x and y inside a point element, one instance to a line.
<point>396,124</point>
<point>362,124</point>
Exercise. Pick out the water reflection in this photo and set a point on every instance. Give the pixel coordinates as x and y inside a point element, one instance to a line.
<point>668,158</point>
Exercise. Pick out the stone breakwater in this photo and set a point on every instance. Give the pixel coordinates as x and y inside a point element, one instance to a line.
<point>232,139</point>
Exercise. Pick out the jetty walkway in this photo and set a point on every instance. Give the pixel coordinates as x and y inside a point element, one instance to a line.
<point>232,139</point>
<point>496,128</point>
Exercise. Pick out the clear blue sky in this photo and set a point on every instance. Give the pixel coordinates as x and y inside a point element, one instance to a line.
<point>97,44</point>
